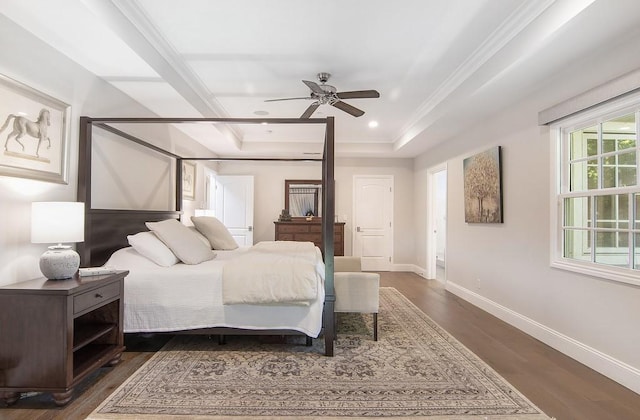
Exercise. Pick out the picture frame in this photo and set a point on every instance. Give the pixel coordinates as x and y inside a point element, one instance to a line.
<point>34,132</point>
<point>483,187</point>
<point>188,180</point>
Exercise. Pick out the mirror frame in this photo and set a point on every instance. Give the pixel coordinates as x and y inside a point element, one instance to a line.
<point>287,185</point>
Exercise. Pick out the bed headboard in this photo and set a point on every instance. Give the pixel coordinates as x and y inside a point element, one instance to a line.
<point>106,231</point>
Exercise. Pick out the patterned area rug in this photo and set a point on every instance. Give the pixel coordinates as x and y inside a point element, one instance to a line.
<point>416,369</point>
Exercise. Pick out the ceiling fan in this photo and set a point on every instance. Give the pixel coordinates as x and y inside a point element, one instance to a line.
<point>323,94</point>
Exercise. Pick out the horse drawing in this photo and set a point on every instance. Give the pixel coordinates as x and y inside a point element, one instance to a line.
<point>22,126</point>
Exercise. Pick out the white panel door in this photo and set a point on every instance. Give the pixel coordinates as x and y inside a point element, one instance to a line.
<point>234,206</point>
<point>372,217</point>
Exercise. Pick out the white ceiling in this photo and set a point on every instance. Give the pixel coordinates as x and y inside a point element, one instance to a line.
<point>434,62</point>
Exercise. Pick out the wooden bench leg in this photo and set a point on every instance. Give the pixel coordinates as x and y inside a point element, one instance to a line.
<point>375,326</point>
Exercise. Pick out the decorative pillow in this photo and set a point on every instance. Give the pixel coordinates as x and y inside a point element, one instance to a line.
<point>181,241</point>
<point>200,236</point>
<point>217,233</point>
<point>148,245</point>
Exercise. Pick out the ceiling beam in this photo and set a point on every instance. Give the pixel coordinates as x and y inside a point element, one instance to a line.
<point>130,23</point>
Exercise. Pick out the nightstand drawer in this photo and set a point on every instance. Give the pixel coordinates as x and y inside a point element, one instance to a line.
<point>95,297</point>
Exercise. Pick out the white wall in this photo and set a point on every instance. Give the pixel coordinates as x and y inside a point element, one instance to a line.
<point>87,95</point>
<point>504,268</point>
<point>402,172</point>
<point>269,194</point>
<point>32,62</point>
<point>269,188</point>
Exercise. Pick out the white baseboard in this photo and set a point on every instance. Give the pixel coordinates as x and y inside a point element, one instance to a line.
<point>412,268</point>
<point>610,367</point>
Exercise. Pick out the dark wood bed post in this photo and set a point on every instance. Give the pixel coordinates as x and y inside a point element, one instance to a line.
<point>328,215</point>
<point>84,185</point>
<point>179,185</point>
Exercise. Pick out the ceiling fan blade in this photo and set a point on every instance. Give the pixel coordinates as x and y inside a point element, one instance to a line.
<point>314,87</point>
<point>310,110</point>
<point>358,94</point>
<point>287,99</point>
<point>348,109</point>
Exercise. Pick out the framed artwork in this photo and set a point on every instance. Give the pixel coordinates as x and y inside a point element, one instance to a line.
<point>34,133</point>
<point>188,180</point>
<point>483,187</point>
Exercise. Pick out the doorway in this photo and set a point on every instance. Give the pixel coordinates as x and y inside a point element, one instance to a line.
<point>372,217</point>
<point>232,203</point>
<point>437,223</point>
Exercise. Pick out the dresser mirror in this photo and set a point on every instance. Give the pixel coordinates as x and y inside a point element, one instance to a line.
<point>303,198</point>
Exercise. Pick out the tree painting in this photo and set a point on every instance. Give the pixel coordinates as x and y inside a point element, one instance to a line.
<point>482,187</point>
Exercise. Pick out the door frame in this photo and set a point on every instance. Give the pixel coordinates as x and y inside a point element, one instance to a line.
<point>431,220</point>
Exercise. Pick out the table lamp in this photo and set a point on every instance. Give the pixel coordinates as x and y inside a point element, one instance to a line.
<point>58,222</point>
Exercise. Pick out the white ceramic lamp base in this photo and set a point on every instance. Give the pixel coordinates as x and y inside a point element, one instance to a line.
<point>59,262</point>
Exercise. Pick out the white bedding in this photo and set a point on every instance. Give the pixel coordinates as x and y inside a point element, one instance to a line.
<point>272,272</point>
<point>184,297</point>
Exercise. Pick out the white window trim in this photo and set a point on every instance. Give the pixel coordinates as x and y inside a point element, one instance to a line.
<point>598,114</point>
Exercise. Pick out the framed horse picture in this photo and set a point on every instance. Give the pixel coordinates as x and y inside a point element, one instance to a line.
<point>188,180</point>
<point>34,134</point>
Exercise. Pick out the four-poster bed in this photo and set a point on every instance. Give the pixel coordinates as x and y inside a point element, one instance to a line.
<point>106,230</point>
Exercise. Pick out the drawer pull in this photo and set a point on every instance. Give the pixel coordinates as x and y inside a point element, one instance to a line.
<point>98,295</point>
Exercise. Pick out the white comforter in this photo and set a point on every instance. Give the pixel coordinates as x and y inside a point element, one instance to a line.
<point>272,272</point>
<point>185,297</point>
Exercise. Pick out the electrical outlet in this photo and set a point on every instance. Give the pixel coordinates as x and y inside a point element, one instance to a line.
<point>478,284</point>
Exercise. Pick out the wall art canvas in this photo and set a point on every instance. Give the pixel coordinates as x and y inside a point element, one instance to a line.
<point>34,133</point>
<point>483,187</point>
<point>188,181</point>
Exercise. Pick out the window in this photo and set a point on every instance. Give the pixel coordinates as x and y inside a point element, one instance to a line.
<point>597,195</point>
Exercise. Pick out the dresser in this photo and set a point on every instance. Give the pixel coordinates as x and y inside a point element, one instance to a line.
<point>55,333</point>
<point>304,231</point>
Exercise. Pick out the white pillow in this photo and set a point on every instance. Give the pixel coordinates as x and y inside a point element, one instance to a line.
<point>200,236</point>
<point>148,245</point>
<point>217,233</point>
<point>181,241</point>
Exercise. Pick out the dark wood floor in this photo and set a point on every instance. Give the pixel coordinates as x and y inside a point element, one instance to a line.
<point>560,386</point>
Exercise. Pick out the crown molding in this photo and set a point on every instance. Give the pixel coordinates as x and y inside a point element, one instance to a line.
<point>499,38</point>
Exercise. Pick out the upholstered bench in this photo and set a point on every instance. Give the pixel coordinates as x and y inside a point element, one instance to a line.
<point>356,291</point>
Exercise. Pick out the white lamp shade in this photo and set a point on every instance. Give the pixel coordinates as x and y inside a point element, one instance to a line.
<point>57,222</point>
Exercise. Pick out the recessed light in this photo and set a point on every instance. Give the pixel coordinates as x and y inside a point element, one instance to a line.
<point>261,113</point>
<point>373,124</point>
<point>264,123</point>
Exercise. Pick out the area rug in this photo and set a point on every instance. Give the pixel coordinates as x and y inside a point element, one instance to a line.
<point>416,369</point>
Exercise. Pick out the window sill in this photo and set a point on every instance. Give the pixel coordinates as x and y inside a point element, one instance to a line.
<point>620,275</point>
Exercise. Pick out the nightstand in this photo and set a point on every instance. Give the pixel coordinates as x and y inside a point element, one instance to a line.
<point>57,332</point>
